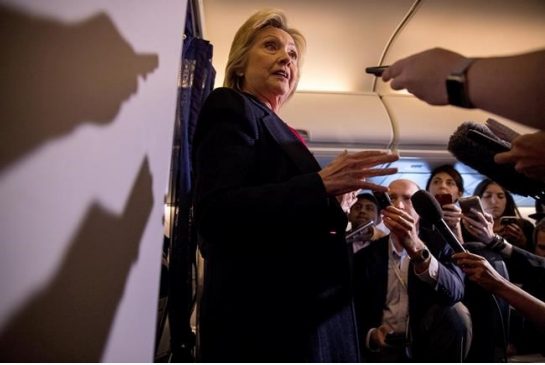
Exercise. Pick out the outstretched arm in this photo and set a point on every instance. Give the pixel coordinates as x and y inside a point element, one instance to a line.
<point>513,86</point>
<point>480,271</point>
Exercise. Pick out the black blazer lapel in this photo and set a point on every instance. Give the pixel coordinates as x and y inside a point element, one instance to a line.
<point>285,138</point>
<point>295,150</point>
<point>293,147</point>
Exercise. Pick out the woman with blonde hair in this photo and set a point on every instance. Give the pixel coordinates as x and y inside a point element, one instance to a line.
<point>277,275</point>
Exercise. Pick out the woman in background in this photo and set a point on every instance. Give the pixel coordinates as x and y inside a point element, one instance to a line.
<point>447,186</point>
<point>498,202</point>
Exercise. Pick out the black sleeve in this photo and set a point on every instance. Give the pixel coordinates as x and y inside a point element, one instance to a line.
<point>526,267</point>
<point>450,278</point>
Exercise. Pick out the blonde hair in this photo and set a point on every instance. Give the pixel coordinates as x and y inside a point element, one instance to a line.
<point>244,39</point>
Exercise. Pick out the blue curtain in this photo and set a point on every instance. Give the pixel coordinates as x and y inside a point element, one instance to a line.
<point>196,80</point>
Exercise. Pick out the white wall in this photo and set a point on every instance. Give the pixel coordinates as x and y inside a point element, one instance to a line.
<point>85,155</point>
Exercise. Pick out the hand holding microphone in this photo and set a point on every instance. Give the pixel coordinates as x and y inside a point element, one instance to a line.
<point>526,155</point>
<point>428,208</point>
<point>476,146</point>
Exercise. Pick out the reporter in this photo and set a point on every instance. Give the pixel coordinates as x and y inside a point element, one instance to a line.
<point>365,210</point>
<point>445,179</point>
<point>478,269</point>
<point>498,202</point>
<point>510,86</point>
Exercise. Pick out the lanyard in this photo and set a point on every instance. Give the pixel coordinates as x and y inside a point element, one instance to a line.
<point>397,272</point>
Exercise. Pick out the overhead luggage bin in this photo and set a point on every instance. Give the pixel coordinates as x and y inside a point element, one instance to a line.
<point>335,119</point>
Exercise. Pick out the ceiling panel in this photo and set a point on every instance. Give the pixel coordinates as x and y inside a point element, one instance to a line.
<point>343,36</point>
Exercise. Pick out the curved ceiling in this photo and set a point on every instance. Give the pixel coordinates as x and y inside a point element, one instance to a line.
<point>345,36</point>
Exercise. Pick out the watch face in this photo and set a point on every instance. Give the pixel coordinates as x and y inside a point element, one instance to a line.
<point>421,256</point>
<point>456,91</point>
<point>425,254</point>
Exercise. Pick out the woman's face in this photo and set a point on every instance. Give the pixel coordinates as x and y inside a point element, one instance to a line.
<point>443,183</point>
<point>494,200</point>
<point>271,71</point>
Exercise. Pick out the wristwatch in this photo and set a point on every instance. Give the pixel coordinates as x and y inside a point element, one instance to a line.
<point>421,256</point>
<point>457,86</point>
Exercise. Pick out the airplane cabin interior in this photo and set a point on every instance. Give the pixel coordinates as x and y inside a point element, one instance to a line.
<point>99,260</point>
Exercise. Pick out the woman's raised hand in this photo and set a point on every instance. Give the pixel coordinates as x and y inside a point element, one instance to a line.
<point>349,171</point>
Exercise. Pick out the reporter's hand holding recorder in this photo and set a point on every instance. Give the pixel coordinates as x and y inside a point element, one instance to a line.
<point>510,86</point>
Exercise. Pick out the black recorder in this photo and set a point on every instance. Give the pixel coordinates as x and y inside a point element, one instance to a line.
<point>356,233</point>
<point>376,70</point>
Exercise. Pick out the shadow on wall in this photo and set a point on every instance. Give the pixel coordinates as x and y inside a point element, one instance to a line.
<point>70,319</point>
<point>55,76</point>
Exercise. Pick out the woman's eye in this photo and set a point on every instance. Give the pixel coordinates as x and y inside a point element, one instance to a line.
<point>293,55</point>
<point>270,45</point>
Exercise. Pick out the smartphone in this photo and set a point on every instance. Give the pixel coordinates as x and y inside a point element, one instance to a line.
<point>443,199</point>
<point>508,219</point>
<point>471,202</point>
<point>487,141</point>
<point>376,70</point>
<point>383,199</point>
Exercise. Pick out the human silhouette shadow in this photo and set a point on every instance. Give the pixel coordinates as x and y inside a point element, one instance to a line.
<point>56,76</point>
<point>69,320</point>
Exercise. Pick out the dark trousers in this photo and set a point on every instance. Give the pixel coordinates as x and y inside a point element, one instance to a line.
<point>443,335</point>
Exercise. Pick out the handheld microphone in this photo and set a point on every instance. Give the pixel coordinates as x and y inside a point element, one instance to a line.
<point>428,208</point>
<point>475,145</point>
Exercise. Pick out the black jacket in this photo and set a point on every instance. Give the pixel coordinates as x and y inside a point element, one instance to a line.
<point>277,278</point>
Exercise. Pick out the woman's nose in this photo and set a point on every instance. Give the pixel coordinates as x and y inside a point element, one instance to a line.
<point>285,58</point>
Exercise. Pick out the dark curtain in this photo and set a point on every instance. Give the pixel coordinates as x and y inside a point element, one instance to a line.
<point>196,80</point>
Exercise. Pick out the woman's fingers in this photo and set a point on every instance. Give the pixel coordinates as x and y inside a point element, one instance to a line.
<point>375,172</point>
<point>367,158</point>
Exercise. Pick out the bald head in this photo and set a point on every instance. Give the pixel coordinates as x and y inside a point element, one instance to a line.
<point>409,186</point>
<point>401,191</point>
